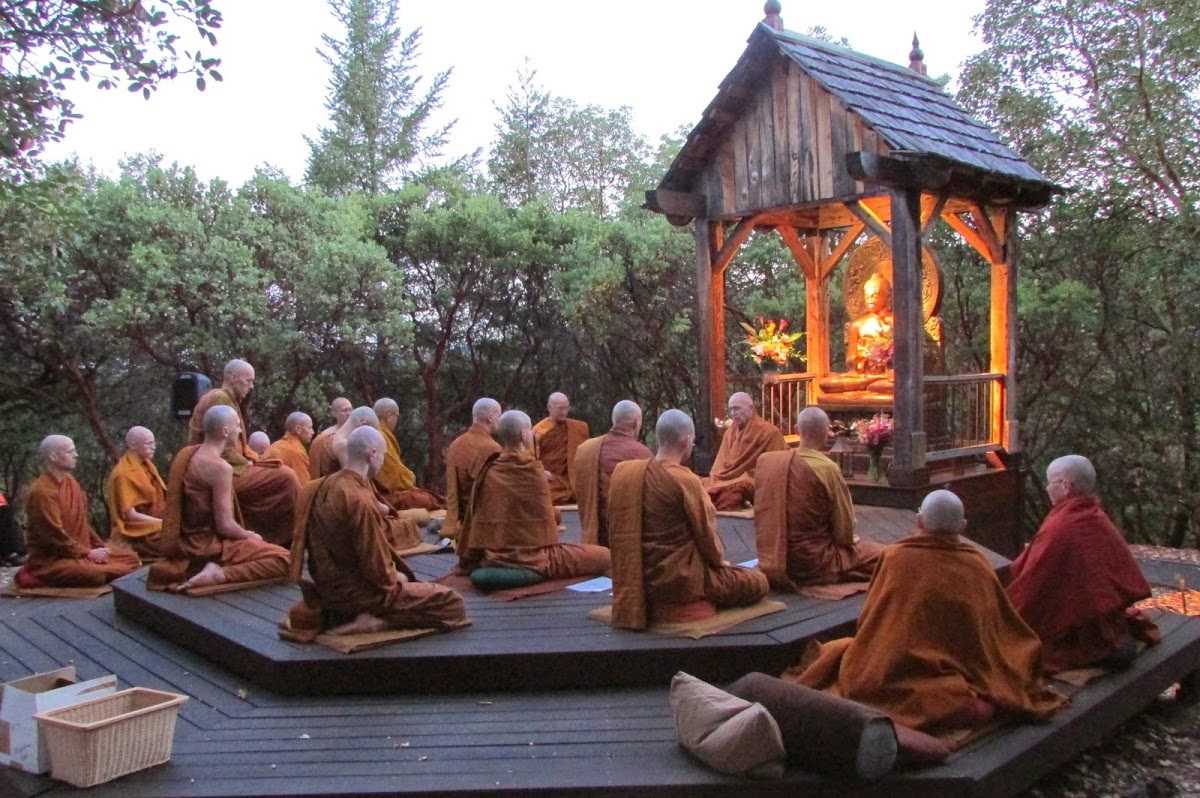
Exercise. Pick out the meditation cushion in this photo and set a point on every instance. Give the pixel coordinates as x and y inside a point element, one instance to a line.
<point>821,732</point>
<point>725,732</point>
<point>488,579</point>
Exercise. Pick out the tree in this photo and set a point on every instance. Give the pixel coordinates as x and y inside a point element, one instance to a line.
<point>45,44</point>
<point>378,116</point>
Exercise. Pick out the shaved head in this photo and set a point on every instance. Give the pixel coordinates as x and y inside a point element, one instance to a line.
<point>674,429</point>
<point>238,378</point>
<point>235,367</point>
<point>362,417</point>
<point>340,410</point>
<point>942,514</point>
<point>58,452</point>
<point>259,441</point>
<point>741,408</point>
<point>627,415</point>
<point>216,419</point>
<point>360,443</point>
<point>812,424</point>
<point>485,409</point>
<point>1070,475</point>
<point>388,413</point>
<point>295,420</point>
<point>558,406</point>
<point>137,435</point>
<point>511,429</point>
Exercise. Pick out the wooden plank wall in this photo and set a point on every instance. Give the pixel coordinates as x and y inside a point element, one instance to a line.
<point>787,146</point>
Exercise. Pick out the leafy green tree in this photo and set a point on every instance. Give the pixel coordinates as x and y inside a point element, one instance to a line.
<point>47,44</point>
<point>379,114</point>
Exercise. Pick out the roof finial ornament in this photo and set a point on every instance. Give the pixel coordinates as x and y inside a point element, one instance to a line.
<point>916,59</point>
<point>772,20</point>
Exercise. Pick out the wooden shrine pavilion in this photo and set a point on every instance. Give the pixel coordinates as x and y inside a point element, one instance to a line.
<point>850,158</point>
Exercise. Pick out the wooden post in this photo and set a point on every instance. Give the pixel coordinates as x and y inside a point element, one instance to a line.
<point>710,322</point>
<point>908,446</point>
<point>1003,334</point>
<point>816,322</point>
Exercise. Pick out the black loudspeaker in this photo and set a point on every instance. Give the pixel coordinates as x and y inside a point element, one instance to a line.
<point>186,392</point>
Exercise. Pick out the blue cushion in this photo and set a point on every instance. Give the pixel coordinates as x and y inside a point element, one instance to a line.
<point>503,578</point>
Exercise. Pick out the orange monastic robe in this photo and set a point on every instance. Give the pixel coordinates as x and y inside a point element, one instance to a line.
<point>266,490</point>
<point>804,522</point>
<point>290,451</point>
<point>730,483</point>
<point>353,565</point>
<point>511,523</point>
<point>322,461</point>
<point>668,562</point>
<point>135,484</point>
<point>464,459</point>
<point>556,443</point>
<point>938,646</point>
<point>397,484</point>
<point>58,538</point>
<point>594,464</point>
<point>191,540</point>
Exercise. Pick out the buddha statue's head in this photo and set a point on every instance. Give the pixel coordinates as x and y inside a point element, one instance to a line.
<point>877,293</point>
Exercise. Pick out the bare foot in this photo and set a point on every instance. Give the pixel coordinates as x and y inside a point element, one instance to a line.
<point>363,624</point>
<point>211,574</point>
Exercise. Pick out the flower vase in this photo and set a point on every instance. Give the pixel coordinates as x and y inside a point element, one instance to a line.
<point>875,469</point>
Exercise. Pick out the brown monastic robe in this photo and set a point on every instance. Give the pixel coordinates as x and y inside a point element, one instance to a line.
<point>135,484</point>
<point>191,540</point>
<point>556,443</point>
<point>804,522</point>
<point>595,461</point>
<point>321,460</point>
<point>511,523</point>
<point>668,562</point>
<point>58,538</point>
<point>464,459</point>
<point>353,565</point>
<point>730,483</point>
<point>937,638</point>
<point>397,484</point>
<point>290,451</point>
<point>266,490</point>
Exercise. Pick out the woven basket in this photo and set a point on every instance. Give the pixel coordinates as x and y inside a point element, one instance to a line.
<point>99,740</point>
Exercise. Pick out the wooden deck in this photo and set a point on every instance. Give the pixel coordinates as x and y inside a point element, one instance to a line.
<point>543,642</point>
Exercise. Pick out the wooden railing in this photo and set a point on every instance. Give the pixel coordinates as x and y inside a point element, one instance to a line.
<point>783,396</point>
<point>961,414</point>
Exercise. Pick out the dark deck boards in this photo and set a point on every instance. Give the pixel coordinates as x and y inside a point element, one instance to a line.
<point>543,642</point>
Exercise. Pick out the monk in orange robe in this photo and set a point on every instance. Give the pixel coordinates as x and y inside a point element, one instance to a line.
<point>939,646</point>
<point>136,496</point>
<point>668,560</point>
<point>730,482</point>
<point>396,482</point>
<point>511,522</point>
<point>322,461</point>
<point>594,465</point>
<point>803,515</point>
<point>1076,582</point>
<point>64,550</point>
<point>465,458</point>
<point>205,541</point>
<point>556,440</point>
<point>359,584</point>
<point>266,490</point>
<point>289,450</point>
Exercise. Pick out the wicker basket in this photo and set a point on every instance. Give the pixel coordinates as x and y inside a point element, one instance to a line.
<point>97,741</point>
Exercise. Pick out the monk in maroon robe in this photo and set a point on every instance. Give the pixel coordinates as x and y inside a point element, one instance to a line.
<point>730,482</point>
<point>556,439</point>
<point>595,462</point>
<point>1076,582</point>
<point>465,458</point>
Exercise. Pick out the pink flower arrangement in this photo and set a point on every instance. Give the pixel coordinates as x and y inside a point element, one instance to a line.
<point>878,357</point>
<point>875,433</point>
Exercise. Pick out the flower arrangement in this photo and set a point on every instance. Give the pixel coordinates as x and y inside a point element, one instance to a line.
<point>877,357</point>
<point>770,342</point>
<point>875,433</point>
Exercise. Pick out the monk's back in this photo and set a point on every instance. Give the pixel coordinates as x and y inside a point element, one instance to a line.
<point>348,554</point>
<point>673,565</point>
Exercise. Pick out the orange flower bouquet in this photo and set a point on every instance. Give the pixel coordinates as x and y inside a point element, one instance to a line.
<point>771,343</point>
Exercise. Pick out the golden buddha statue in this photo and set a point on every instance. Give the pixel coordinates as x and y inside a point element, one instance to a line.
<point>869,347</point>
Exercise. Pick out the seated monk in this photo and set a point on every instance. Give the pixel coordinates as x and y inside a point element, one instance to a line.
<point>205,541</point>
<point>266,491</point>
<point>511,522</point>
<point>594,464</point>
<point>289,450</point>
<point>668,560</point>
<point>63,549</point>
<point>803,515</point>
<point>464,459</point>
<point>939,647</point>
<point>396,482</point>
<point>730,482</point>
<point>322,461</point>
<point>1076,582</point>
<point>555,441</point>
<point>259,442</point>
<point>136,496</point>
<point>360,585</point>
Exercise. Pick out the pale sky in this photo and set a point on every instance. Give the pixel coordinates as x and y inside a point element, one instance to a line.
<point>662,58</point>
